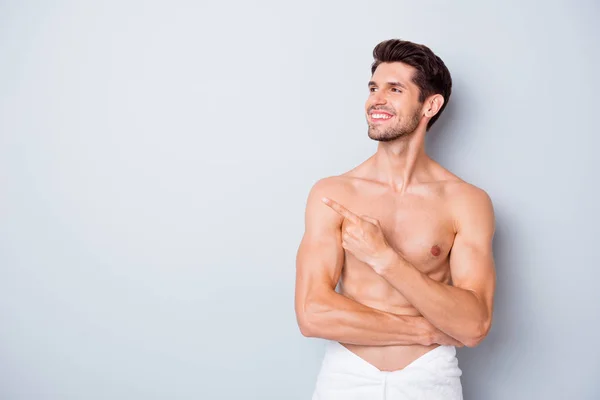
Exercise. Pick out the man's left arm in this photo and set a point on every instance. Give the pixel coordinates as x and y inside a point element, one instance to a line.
<point>464,310</point>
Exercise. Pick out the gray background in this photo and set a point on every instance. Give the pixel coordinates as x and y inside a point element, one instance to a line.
<point>155,161</point>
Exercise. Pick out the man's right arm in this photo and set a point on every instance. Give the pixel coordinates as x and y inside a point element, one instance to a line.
<point>321,311</point>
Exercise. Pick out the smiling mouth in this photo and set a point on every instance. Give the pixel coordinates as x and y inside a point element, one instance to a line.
<point>380,116</point>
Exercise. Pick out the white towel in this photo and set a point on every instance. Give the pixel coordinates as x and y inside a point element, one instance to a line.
<point>345,376</point>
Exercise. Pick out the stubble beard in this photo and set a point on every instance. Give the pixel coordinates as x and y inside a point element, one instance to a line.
<point>404,128</point>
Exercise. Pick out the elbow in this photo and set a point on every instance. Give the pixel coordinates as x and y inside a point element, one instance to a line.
<point>307,329</point>
<point>472,342</point>
<point>478,334</point>
<point>309,318</point>
<point>305,322</point>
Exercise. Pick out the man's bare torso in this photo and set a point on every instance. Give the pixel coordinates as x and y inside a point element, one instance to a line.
<point>419,224</point>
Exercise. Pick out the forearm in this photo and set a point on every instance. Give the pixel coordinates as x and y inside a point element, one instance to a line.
<point>455,311</point>
<point>337,317</point>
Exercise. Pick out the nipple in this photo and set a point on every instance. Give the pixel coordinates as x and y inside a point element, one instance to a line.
<point>436,251</point>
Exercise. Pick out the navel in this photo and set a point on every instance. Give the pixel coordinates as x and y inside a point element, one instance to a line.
<point>436,251</point>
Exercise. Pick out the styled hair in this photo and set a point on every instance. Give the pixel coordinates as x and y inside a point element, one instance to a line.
<point>431,75</point>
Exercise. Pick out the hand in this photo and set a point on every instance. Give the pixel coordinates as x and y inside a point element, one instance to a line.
<point>435,336</point>
<point>364,238</point>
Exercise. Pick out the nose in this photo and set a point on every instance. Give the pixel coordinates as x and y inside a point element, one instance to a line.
<point>378,98</point>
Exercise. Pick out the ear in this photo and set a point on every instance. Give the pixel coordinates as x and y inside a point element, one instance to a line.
<point>433,105</point>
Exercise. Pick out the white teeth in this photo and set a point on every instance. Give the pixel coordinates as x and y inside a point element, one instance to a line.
<point>381,116</point>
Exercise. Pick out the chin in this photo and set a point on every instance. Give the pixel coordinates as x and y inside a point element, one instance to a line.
<point>382,137</point>
<point>379,136</point>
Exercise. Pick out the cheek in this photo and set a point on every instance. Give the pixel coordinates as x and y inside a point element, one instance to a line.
<point>406,109</point>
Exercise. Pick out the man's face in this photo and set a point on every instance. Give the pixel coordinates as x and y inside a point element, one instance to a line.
<point>393,108</point>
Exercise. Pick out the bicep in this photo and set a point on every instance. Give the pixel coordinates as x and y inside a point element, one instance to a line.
<point>320,255</point>
<point>471,259</point>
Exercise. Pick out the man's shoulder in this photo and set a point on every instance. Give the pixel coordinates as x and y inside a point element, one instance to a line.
<point>461,190</point>
<point>458,189</point>
<point>468,201</point>
<point>455,188</point>
<point>332,185</point>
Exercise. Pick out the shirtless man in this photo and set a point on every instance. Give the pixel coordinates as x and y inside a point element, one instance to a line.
<point>409,242</point>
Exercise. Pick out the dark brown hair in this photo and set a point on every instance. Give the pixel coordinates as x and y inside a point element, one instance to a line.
<point>431,75</point>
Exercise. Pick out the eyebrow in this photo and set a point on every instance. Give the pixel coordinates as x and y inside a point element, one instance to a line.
<point>372,83</point>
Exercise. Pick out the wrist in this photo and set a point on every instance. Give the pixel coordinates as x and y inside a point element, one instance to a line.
<point>387,261</point>
<point>428,335</point>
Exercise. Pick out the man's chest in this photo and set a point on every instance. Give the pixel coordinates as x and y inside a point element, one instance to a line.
<point>420,229</point>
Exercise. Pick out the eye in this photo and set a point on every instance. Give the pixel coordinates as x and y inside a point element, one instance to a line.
<point>396,90</point>
<point>372,89</point>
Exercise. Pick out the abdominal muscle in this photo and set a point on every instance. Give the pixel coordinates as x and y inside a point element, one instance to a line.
<point>384,358</point>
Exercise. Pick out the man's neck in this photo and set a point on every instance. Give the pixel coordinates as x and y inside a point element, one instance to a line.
<point>401,162</point>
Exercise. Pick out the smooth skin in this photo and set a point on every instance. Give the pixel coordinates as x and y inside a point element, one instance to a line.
<point>409,242</point>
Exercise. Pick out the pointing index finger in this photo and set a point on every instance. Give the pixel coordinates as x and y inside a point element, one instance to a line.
<point>343,211</point>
